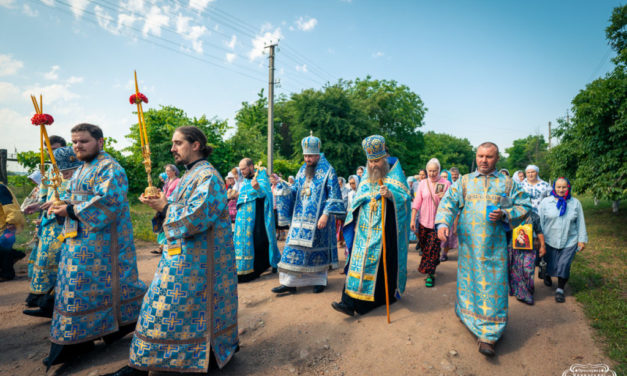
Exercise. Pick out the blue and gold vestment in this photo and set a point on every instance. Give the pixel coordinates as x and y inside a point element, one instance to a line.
<point>191,305</point>
<point>245,224</point>
<point>44,258</point>
<point>284,204</point>
<point>307,248</point>
<point>363,233</point>
<point>98,289</point>
<point>482,285</point>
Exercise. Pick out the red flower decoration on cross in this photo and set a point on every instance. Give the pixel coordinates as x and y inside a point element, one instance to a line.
<point>138,98</point>
<point>42,119</point>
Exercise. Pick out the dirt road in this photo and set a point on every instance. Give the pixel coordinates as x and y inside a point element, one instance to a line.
<point>302,335</point>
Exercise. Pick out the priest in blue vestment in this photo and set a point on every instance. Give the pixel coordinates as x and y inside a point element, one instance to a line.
<point>188,319</point>
<point>369,226</point>
<point>311,245</point>
<point>98,292</point>
<point>45,255</point>
<point>254,237</point>
<point>488,204</point>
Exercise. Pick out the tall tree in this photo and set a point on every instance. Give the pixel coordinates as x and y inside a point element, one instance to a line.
<point>526,151</point>
<point>449,150</point>
<point>616,34</point>
<point>398,113</point>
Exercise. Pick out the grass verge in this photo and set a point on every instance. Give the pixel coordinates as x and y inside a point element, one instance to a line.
<point>598,278</point>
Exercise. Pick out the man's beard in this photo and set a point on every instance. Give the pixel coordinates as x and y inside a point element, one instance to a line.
<point>86,156</point>
<point>310,171</point>
<point>249,175</point>
<point>377,173</point>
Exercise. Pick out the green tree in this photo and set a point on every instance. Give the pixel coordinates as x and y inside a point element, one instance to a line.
<point>449,150</point>
<point>160,124</point>
<point>30,160</point>
<point>397,112</point>
<point>526,151</point>
<point>616,34</point>
<point>594,144</point>
<point>334,117</point>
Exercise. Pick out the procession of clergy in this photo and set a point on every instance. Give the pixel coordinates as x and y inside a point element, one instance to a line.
<point>186,320</point>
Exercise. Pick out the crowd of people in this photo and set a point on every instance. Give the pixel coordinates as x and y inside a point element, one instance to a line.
<point>215,233</point>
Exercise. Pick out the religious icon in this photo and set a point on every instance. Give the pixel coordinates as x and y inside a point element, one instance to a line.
<point>521,237</point>
<point>439,188</point>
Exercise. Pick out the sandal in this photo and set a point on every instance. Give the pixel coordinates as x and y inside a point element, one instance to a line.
<point>430,281</point>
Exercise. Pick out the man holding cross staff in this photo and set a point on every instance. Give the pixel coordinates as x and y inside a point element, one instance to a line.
<point>376,234</point>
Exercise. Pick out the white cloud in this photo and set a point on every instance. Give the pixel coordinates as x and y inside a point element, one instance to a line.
<point>155,20</point>
<point>378,54</point>
<point>48,2</point>
<point>75,80</point>
<point>53,74</point>
<point>301,68</point>
<point>199,5</point>
<point>18,126</point>
<point>193,33</point>
<point>230,57</point>
<point>8,92</point>
<point>78,7</point>
<point>260,41</point>
<point>52,93</point>
<point>133,5</point>
<point>307,25</point>
<point>104,20</point>
<point>9,66</point>
<point>232,42</point>
<point>7,3</point>
<point>126,20</point>
<point>27,10</point>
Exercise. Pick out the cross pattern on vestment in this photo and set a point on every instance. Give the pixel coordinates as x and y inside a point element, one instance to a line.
<point>484,307</point>
<point>84,254</point>
<point>80,280</point>
<point>172,321</point>
<point>483,283</point>
<point>74,333</point>
<point>169,350</point>
<point>197,350</point>
<point>160,306</point>
<point>106,279</point>
<point>177,293</point>
<point>103,326</point>
<point>291,257</point>
<point>142,347</point>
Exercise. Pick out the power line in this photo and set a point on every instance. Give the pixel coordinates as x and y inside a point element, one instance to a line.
<point>146,39</point>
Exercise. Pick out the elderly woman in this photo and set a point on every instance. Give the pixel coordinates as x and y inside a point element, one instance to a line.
<point>430,192</point>
<point>536,188</point>
<point>172,181</point>
<point>518,176</point>
<point>564,227</point>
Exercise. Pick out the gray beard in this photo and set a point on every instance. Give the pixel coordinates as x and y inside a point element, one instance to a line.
<point>375,174</point>
<point>310,171</point>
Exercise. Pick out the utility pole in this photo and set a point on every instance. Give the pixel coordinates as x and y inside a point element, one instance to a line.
<point>549,134</point>
<point>271,107</point>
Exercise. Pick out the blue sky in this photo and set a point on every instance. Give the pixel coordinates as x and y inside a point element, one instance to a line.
<point>486,70</point>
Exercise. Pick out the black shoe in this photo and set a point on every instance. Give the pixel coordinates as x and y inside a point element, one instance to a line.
<point>548,281</point>
<point>317,289</point>
<point>32,299</point>
<point>274,270</point>
<point>486,349</point>
<point>127,371</point>
<point>281,289</point>
<point>39,312</point>
<point>124,330</point>
<point>64,353</point>
<point>341,307</point>
<point>559,297</point>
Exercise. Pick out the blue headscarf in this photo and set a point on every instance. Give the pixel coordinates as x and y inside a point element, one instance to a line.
<point>562,201</point>
<point>448,176</point>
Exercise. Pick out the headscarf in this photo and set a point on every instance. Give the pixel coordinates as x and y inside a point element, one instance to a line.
<point>356,178</point>
<point>515,176</point>
<point>35,177</point>
<point>504,170</point>
<point>448,175</point>
<point>562,201</point>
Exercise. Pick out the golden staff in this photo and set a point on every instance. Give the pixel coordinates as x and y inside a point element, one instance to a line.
<point>385,266</point>
<point>137,98</point>
<point>42,120</point>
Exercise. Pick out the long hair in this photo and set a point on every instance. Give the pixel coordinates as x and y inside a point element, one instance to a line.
<point>193,134</point>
